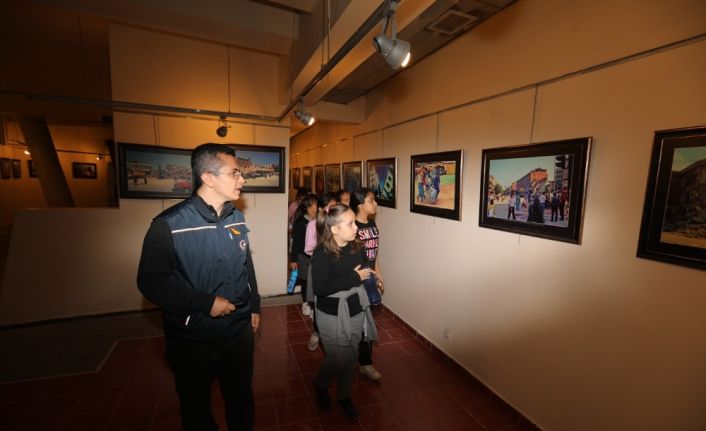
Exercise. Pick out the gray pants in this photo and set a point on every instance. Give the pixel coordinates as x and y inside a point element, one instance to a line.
<point>339,362</point>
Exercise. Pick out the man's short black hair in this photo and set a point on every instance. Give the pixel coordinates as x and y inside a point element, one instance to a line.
<point>205,159</point>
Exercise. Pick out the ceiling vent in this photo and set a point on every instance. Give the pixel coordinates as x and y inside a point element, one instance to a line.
<point>451,22</point>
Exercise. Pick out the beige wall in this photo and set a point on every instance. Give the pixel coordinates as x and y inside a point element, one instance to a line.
<point>69,262</point>
<point>577,337</point>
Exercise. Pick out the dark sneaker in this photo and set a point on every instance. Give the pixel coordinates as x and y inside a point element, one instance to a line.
<point>349,409</point>
<point>322,398</point>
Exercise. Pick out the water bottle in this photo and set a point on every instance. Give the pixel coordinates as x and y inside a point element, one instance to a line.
<point>371,287</point>
<point>293,274</point>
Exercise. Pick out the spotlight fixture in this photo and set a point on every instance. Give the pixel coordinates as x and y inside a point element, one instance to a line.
<point>304,116</point>
<point>222,130</point>
<point>396,52</point>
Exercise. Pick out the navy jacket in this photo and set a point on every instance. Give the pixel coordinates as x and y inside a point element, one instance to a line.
<point>191,255</point>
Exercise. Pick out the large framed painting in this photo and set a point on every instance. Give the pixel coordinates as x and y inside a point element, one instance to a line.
<point>332,173</point>
<point>147,172</point>
<point>307,177</point>
<point>382,180</point>
<point>536,189</point>
<point>261,167</point>
<point>296,178</point>
<point>674,216</point>
<point>352,176</point>
<point>435,184</point>
<point>318,179</point>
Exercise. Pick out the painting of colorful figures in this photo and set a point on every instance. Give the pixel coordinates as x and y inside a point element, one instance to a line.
<point>154,172</point>
<point>535,189</point>
<point>333,178</point>
<point>382,180</point>
<point>674,219</point>
<point>261,168</point>
<point>435,187</point>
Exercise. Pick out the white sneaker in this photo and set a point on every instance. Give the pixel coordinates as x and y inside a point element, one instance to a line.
<point>370,372</point>
<point>306,309</point>
<point>313,342</point>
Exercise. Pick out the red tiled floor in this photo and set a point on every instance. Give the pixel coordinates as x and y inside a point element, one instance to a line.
<point>421,389</point>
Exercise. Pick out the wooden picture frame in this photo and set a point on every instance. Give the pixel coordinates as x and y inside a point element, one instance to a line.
<point>149,172</point>
<point>381,177</point>
<point>435,184</point>
<point>261,167</point>
<point>673,228</point>
<point>84,171</point>
<point>537,189</point>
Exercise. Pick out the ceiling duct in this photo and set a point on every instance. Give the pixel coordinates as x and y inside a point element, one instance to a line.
<point>452,22</point>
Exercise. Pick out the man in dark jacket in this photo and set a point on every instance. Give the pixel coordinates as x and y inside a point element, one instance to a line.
<point>196,266</point>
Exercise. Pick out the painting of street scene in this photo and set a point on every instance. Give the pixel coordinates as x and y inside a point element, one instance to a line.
<point>352,176</point>
<point>685,215</point>
<point>259,168</point>
<point>155,172</point>
<point>530,189</point>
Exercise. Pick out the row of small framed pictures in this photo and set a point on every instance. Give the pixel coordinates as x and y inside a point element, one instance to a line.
<point>436,177</point>
<point>12,168</point>
<point>539,190</point>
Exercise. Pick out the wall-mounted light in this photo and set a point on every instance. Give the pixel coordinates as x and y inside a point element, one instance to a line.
<point>99,157</point>
<point>304,116</point>
<point>396,52</point>
<point>222,130</point>
<point>27,152</point>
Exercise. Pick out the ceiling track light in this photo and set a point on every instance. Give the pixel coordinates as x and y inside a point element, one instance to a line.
<point>303,116</point>
<point>222,130</point>
<point>396,52</point>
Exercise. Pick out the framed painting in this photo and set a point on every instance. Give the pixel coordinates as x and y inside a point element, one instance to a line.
<point>31,169</point>
<point>307,177</point>
<point>332,173</point>
<point>435,184</point>
<point>5,168</point>
<point>147,172</point>
<point>296,178</point>
<point>86,171</point>
<point>318,179</point>
<point>261,167</point>
<point>16,168</point>
<point>382,180</point>
<point>536,189</point>
<point>673,226</point>
<point>352,176</point>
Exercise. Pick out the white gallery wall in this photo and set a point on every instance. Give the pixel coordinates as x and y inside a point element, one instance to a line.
<point>576,337</point>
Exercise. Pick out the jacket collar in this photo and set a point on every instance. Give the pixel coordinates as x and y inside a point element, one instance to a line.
<point>208,212</point>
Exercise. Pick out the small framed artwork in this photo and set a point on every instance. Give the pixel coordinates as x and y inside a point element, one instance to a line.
<point>148,172</point>
<point>296,178</point>
<point>31,169</point>
<point>261,168</point>
<point>352,176</point>
<point>85,171</point>
<point>306,177</point>
<point>332,174</point>
<point>673,226</point>
<point>16,168</point>
<point>536,189</point>
<point>435,184</point>
<point>382,180</point>
<point>5,168</point>
<point>318,179</point>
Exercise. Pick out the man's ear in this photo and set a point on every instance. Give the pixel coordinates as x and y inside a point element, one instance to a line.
<point>207,179</point>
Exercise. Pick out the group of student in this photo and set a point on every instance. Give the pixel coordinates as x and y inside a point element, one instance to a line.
<point>334,246</point>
